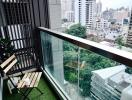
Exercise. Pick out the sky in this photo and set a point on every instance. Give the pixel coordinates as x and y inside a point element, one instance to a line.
<point>115,3</point>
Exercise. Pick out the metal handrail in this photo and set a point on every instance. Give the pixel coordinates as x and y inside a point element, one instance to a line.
<point>118,55</point>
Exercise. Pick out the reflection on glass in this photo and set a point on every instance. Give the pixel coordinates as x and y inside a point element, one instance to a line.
<point>85,75</point>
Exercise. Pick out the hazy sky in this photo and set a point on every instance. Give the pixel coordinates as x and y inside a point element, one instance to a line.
<point>115,3</point>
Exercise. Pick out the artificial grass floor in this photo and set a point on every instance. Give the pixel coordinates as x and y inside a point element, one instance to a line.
<point>34,95</point>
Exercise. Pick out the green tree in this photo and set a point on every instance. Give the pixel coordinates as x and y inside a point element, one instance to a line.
<point>99,62</point>
<point>70,74</point>
<point>119,41</point>
<point>69,47</point>
<point>77,30</point>
<point>73,77</point>
<point>85,81</point>
<point>129,70</point>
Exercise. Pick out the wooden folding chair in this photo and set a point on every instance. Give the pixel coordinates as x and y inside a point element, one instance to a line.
<point>33,77</point>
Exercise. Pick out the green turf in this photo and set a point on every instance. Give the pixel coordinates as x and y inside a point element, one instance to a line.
<point>34,95</point>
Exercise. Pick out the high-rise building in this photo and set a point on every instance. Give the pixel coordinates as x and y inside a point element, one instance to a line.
<point>98,8</point>
<point>129,36</point>
<point>66,6</point>
<point>84,12</point>
<point>69,15</point>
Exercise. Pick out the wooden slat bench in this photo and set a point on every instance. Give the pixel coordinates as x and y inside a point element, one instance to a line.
<point>34,78</point>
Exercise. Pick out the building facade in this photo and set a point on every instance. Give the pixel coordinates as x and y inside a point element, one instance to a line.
<point>129,36</point>
<point>98,9</point>
<point>67,6</point>
<point>100,24</point>
<point>111,84</point>
<point>85,12</point>
<point>69,15</point>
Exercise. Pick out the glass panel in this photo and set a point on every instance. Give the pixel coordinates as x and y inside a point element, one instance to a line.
<point>85,75</point>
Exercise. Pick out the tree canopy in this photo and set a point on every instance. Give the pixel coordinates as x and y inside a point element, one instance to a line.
<point>77,30</point>
<point>119,41</point>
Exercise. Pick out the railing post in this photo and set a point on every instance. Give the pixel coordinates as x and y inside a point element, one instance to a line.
<point>38,47</point>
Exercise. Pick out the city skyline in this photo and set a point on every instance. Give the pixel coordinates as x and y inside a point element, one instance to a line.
<point>115,4</point>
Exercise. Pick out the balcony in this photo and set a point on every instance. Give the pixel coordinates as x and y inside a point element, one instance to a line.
<point>76,68</point>
<point>73,68</point>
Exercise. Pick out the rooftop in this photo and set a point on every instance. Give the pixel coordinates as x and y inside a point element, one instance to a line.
<point>108,72</point>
